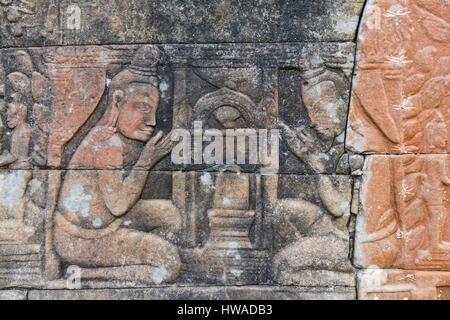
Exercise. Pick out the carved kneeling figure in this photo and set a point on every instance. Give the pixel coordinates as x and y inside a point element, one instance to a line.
<point>97,209</point>
<point>118,252</point>
<point>318,239</point>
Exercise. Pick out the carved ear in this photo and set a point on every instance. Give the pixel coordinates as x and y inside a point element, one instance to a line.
<point>117,97</point>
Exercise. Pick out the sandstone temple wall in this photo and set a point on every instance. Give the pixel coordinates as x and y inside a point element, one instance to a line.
<point>353,205</point>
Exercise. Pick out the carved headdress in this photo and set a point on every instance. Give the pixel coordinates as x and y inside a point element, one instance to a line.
<point>143,69</point>
<point>146,61</point>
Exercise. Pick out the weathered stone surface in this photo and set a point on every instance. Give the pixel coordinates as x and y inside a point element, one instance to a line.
<point>98,194</point>
<point>400,113</point>
<point>29,23</point>
<point>377,284</point>
<point>404,219</point>
<point>22,209</point>
<point>401,96</point>
<point>71,107</point>
<point>200,293</point>
<point>91,196</point>
<point>142,228</point>
<point>13,295</point>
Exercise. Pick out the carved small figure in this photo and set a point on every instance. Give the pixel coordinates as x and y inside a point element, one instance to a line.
<point>17,96</point>
<point>21,135</point>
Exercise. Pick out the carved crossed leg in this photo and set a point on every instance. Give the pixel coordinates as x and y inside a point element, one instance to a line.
<point>160,217</point>
<point>122,254</point>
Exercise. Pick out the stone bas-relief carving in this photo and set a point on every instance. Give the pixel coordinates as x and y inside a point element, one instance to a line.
<point>399,113</point>
<point>199,229</point>
<point>260,225</point>
<point>406,225</point>
<point>94,228</point>
<point>319,94</point>
<point>28,22</point>
<point>311,227</point>
<point>89,213</point>
<point>64,105</point>
<point>401,85</point>
<point>90,128</point>
<point>26,111</point>
<point>87,186</point>
<point>89,196</point>
<point>22,208</point>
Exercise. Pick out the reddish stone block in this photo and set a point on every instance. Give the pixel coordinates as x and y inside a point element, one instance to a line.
<point>401,97</point>
<point>405,213</point>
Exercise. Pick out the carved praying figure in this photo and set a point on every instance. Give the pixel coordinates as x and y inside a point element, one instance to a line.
<point>18,156</point>
<point>321,144</point>
<point>27,96</point>
<point>98,208</point>
<point>20,136</point>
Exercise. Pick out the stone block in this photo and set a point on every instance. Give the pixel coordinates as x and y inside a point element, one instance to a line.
<point>404,219</point>
<point>78,107</point>
<point>200,293</point>
<point>8,295</point>
<point>114,229</point>
<point>400,97</point>
<point>403,285</point>
<point>64,22</point>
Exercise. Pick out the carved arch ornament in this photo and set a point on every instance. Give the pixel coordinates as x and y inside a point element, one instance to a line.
<point>210,102</point>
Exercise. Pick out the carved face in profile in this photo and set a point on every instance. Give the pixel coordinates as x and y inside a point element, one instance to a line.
<point>16,114</point>
<point>138,106</point>
<point>326,109</point>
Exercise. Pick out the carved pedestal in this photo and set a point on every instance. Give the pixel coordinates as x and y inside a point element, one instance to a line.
<point>229,251</point>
